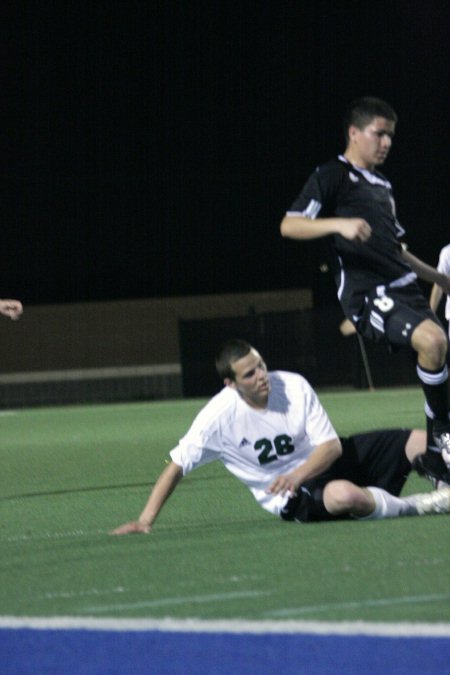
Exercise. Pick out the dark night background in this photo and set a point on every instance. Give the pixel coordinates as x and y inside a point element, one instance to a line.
<point>152,148</point>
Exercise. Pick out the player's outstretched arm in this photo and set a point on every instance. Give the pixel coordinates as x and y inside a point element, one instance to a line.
<point>435,297</point>
<point>11,308</point>
<point>301,227</point>
<point>426,272</point>
<point>162,490</point>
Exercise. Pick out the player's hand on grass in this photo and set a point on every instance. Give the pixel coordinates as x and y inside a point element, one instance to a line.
<point>355,229</point>
<point>133,527</point>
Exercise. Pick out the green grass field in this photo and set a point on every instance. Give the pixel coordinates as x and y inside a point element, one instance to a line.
<point>71,474</point>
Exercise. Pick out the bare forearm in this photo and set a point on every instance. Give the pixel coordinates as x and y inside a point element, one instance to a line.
<point>300,227</point>
<point>435,297</point>
<point>319,461</point>
<point>162,490</point>
<point>425,271</point>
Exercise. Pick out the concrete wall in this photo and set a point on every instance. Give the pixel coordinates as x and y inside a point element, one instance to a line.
<point>121,333</point>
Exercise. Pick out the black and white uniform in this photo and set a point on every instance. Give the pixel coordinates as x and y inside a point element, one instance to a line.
<point>375,284</point>
<point>257,445</point>
<point>372,459</point>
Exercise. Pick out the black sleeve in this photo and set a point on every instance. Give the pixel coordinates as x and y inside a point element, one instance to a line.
<point>319,194</point>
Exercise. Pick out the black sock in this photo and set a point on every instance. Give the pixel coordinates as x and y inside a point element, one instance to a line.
<point>431,445</point>
<point>435,387</point>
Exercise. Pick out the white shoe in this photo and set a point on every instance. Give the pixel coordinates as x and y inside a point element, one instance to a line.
<point>437,501</point>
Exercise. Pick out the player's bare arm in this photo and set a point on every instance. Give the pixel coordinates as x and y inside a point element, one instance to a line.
<point>435,297</point>
<point>426,272</point>
<point>164,486</point>
<point>319,461</point>
<point>300,227</point>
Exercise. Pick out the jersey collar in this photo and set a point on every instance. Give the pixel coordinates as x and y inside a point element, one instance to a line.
<point>373,178</point>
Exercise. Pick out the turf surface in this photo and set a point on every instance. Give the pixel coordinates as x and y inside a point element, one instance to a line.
<point>71,474</point>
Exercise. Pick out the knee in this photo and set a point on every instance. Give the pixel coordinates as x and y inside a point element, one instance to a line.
<point>430,340</point>
<point>340,496</point>
<point>416,444</point>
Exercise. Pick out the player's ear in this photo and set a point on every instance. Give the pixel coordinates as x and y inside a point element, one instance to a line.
<point>229,383</point>
<point>352,132</point>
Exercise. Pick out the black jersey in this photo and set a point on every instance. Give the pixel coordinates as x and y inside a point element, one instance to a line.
<point>340,189</point>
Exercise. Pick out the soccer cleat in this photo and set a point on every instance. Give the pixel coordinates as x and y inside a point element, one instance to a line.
<point>429,503</point>
<point>443,444</point>
<point>432,466</point>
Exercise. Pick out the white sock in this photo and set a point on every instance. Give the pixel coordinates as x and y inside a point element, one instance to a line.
<point>388,506</point>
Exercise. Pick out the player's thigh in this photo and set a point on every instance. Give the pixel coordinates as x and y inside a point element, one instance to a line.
<point>393,317</point>
<point>380,458</point>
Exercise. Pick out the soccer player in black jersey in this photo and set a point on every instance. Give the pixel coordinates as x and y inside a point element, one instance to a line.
<point>351,203</point>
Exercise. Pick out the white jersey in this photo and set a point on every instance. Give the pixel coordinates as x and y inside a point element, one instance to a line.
<point>444,268</point>
<point>257,445</point>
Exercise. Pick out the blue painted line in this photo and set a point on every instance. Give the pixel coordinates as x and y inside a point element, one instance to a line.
<point>86,652</point>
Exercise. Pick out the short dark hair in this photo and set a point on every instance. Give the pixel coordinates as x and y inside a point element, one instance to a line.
<point>362,111</point>
<point>229,352</point>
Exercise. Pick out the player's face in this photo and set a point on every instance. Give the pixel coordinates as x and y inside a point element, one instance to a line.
<point>251,379</point>
<point>369,147</point>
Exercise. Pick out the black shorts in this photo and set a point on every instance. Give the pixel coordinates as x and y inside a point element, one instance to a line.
<point>393,315</point>
<point>375,459</point>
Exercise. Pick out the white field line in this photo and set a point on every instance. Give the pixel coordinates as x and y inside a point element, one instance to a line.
<point>382,602</point>
<point>167,602</point>
<point>282,613</point>
<point>277,614</point>
<point>18,538</point>
<point>95,592</point>
<point>160,602</point>
<point>421,630</point>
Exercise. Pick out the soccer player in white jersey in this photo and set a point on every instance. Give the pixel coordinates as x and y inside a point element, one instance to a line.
<point>437,292</point>
<point>349,203</point>
<point>271,432</point>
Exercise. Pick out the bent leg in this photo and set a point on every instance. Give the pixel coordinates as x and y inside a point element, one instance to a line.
<point>369,503</point>
<point>429,340</point>
<point>342,497</point>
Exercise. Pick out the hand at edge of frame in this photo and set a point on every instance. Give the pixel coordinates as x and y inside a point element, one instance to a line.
<point>11,308</point>
<point>133,527</point>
